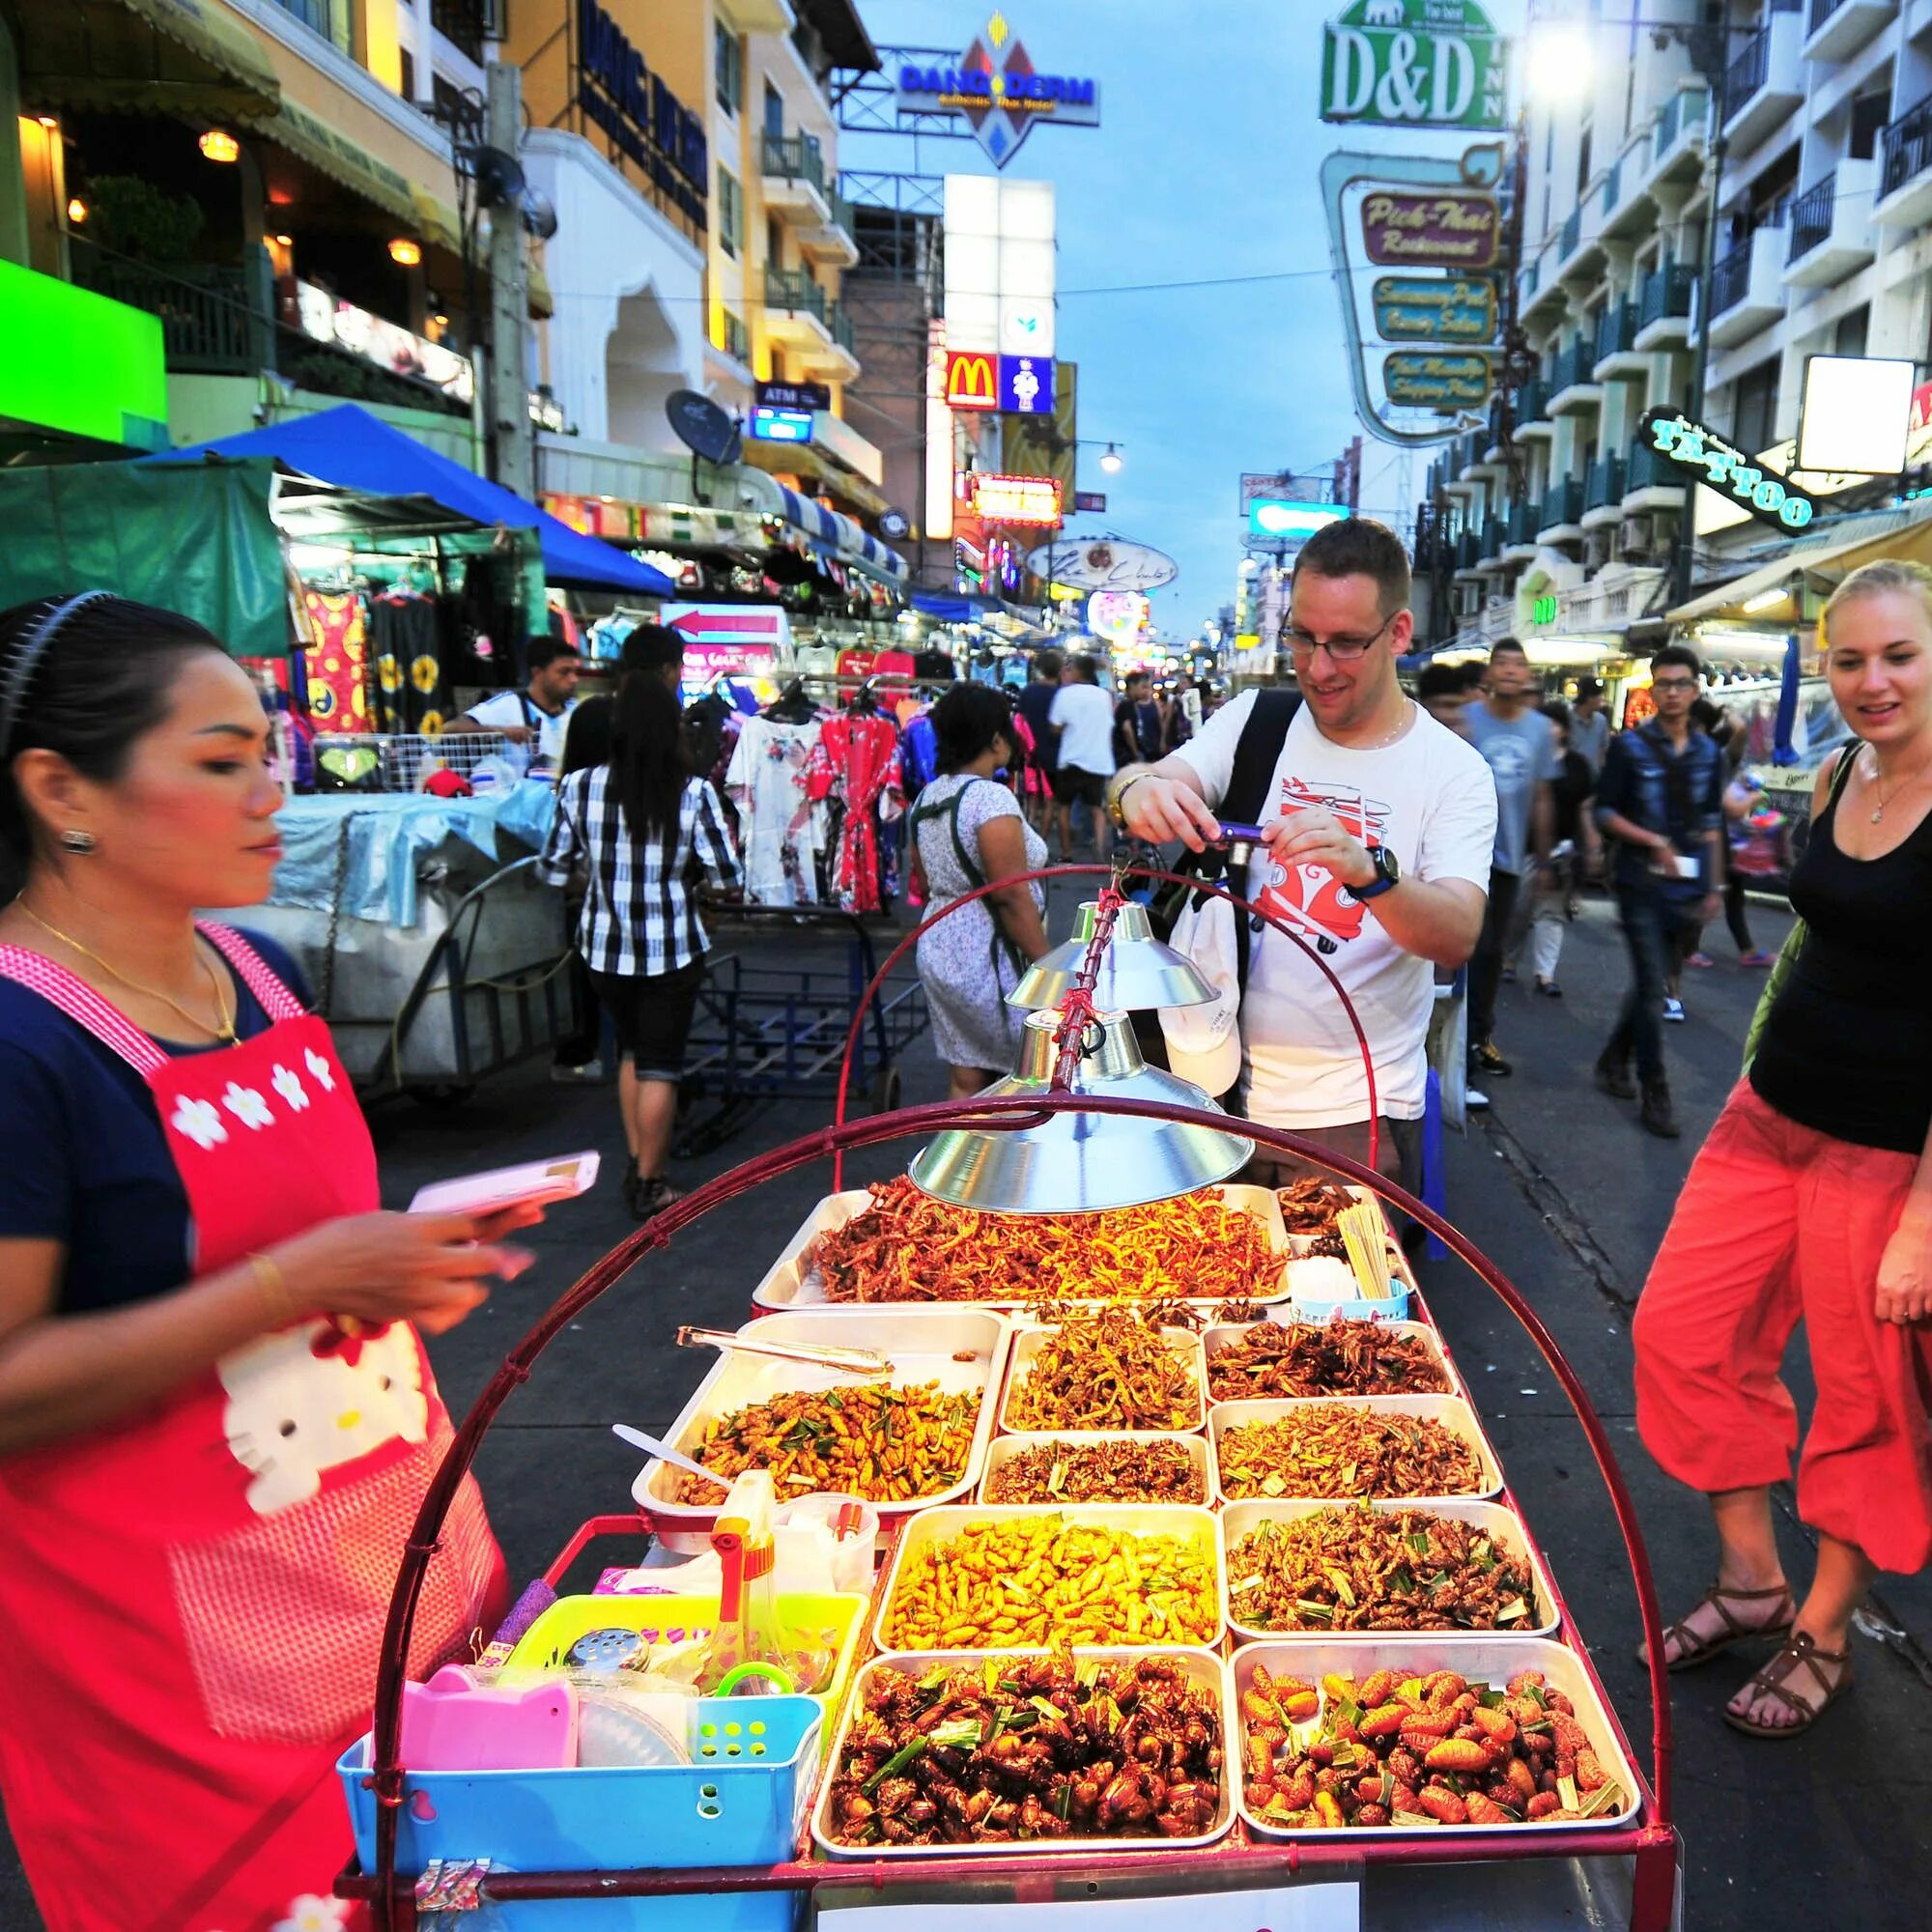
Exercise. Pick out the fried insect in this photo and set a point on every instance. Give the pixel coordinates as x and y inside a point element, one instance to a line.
<point>888,1444</point>
<point>1336,1451</point>
<point>906,1246</point>
<point>1023,1749</point>
<point>1362,1568</point>
<point>1338,1357</point>
<point>1311,1206</point>
<point>1107,1369</point>
<point>1118,1472</point>
<point>1425,1750</point>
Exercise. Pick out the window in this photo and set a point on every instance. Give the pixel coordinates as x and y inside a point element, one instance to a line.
<point>775,244</point>
<point>729,61</point>
<point>775,111</point>
<point>730,211</point>
<point>409,74</point>
<point>1870,111</point>
<point>1850,336</point>
<point>1754,408</point>
<point>1582,162</point>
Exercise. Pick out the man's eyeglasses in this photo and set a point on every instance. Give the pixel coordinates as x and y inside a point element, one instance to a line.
<point>1340,649</point>
<point>1673,684</point>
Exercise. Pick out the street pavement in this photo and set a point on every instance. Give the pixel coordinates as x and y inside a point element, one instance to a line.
<point>1557,1185</point>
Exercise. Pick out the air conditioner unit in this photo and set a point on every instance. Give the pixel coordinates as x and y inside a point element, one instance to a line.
<point>1633,541</point>
<point>1596,549</point>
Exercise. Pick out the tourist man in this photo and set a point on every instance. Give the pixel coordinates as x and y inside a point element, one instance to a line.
<point>535,716</point>
<point>1084,718</point>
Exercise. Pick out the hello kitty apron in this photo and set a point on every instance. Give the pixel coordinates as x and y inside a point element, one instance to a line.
<point>192,1600</point>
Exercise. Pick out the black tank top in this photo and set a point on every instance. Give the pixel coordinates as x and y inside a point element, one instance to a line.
<point>1847,1048</point>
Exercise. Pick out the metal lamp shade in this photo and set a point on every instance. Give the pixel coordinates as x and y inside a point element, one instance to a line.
<point>1078,1163</point>
<point>1137,972</point>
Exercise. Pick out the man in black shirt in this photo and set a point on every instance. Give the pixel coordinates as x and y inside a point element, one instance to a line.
<point>1137,724</point>
<point>1036,705</point>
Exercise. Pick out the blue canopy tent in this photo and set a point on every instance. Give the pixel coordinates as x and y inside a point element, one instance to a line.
<point>351,449</point>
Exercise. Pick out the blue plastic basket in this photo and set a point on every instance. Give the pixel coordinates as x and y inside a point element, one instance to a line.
<point>740,1802</point>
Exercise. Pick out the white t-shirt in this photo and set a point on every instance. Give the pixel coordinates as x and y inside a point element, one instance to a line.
<point>1084,714</point>
<point>1430,799</point>
<point>507,710</point>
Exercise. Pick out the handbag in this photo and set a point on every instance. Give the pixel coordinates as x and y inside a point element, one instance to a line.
<point>1786,962</point>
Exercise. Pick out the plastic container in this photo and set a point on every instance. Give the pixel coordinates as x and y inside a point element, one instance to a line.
<point>1028,1340</point>
<point>942,1526</point>
<point>1227,1335</point>
<point>788,1284</point>
<point>922,1343</point>
<point>851,1555</point>
<point>669,1620</point>
<point>1005,1449</point>
<point>740,1801</point>
<point>1489,1658</point>
<point>1451,1410</point>
<point>1204,1667</point>
<point>1504,1526</point>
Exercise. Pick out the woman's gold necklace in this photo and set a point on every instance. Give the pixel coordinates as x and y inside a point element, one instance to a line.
<point>222,1027</point>
<point>1911,778</point>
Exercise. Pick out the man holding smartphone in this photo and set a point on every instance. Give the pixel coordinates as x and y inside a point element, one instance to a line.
<point>1661,798</point>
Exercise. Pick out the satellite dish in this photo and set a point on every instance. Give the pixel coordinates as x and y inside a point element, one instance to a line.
<point>702,426</point>
<point>539,214</point>
<point>500,178</point>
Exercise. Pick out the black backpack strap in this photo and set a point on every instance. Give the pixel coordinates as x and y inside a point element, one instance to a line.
<point>1257,752</point>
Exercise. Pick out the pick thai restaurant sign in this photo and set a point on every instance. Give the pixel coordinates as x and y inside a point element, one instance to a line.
<point>1435,308</point>
<point>1454,230</point>
<point>1414,64</point>
<point>1702,453</point>
<point>1428,380</point>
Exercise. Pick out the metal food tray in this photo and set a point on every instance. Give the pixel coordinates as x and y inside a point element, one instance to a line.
<point>942,1524</point>
<point>1224,1334</point>
<point>1504,1525</point>
<point>1453,1410</point>
<point>922,1343</point>
<point>1004,1449</point>
<point>1029,1337</point>
<point>1477,1657</point>
<point>787,1285</point>
<point>1204,1667</point>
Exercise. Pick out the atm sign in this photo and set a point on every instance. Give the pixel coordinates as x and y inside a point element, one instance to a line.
<point>972,380</point>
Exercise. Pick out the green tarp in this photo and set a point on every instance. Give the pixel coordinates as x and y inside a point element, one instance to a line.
<point>197,540</point>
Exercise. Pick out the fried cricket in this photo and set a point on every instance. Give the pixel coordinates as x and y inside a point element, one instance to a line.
<point>1107,1369</point>
<point>1338,1452</point>
<point>1339,1357</point>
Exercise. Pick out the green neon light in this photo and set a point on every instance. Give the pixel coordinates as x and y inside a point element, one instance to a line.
<point>74,361</point>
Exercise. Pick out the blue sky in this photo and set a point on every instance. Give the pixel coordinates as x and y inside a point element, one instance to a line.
<point>1202,172</point>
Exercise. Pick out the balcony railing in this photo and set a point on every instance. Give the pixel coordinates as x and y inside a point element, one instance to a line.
<point>1731,277</point>
<point>795,156</point>
<point>1466,551</point>
<point>793,290</point>
<point>1907,147</point>
<point>1573,234</point>
<point>1811,216</point>
<point>1647,471</point>
<point>841,325</point>
<point>462,23</point>
<point>1521,524</point>
<point>1573,365</point>
<point>1616,330</point>
<point>737,337</point>
<point>317,13</point>
<point>213,322</point>
<point>1532,401</point>
<point>1562,504</point>
<point>1666,290</point>
<point>1821,12</point>
<point>1747,72</point>
<point>1676,115</point>
<point>1603,483</point>
<point>1613,183</point>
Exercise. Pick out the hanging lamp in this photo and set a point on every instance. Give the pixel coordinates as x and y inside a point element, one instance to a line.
<point>1135,972</point>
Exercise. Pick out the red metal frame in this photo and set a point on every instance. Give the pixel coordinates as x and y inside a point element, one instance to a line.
<point>1110,873</point>
<point>1651,1840</point>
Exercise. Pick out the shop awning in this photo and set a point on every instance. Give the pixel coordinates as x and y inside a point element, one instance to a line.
<point>839,534</point>
<point>1839,557</point>
<point>342,158</point>
<point>156,55</point>
<point>353,450</point>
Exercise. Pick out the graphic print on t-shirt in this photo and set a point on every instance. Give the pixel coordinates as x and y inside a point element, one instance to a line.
<point>1311,899</point>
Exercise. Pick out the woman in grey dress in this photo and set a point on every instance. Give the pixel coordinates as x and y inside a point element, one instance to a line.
<point>967,830</point>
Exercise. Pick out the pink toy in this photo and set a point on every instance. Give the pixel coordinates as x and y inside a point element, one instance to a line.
<point>455,1723</point>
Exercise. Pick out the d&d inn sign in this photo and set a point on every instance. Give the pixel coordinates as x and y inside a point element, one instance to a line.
<point>1414,64</point>
<point>1704,454</point>
<point>648,123</point>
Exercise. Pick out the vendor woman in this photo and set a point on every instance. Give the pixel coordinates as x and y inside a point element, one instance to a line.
<point>216,1417</point>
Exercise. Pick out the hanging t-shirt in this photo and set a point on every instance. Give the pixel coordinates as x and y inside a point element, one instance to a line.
<point>337,668</point>
<point>1430,799</point>
<point>410,693</point>
<point>783,832</point>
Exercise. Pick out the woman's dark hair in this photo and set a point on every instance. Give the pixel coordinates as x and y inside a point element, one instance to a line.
<point>87,676</point>
<point>966,721</point>
<point>586,738</point>
<point>649,760</point>
<point>1557,712</point>
<point>649,647</point>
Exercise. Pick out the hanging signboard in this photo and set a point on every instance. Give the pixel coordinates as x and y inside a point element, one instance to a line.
<point>1117,615</point>
<point>1435,308</point>
<point>1702,453</point>
<point>1016,500</point>
<point>1433,230</point>
<point>1426,380</point>
<point>995,87</point>
<point>972,380</point>
<point>1103,563</point>
<point>1414,64</point>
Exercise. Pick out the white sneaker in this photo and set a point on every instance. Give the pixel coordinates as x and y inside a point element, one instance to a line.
<point>1473,1101</point>
<point>591,1071</point>
<point>1673,1009</point>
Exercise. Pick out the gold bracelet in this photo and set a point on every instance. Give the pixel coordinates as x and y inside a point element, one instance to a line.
<point>274,1287</point>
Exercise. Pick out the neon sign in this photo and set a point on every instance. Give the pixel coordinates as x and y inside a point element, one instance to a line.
<point>1704,454</point>
<point>1031,500</point>
<point>999,92</point>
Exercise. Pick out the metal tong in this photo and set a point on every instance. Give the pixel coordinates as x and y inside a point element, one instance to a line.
<point>867,1362</point>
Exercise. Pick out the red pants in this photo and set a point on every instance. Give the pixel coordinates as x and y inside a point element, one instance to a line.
<point>1778,1222</point>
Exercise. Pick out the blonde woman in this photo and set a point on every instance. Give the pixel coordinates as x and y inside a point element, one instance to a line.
<point>1812,1200</point>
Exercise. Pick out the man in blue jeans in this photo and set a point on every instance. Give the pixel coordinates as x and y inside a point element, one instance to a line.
<point>1661,798</point>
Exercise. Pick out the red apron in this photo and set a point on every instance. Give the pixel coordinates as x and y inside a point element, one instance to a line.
<point>192,1600</point>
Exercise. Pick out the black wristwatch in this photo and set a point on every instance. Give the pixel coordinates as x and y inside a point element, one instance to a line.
<point>1389,870</point>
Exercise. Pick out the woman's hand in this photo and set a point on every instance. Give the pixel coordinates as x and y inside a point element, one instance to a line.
<point>431,1270</point>
<point>1905,1274</point>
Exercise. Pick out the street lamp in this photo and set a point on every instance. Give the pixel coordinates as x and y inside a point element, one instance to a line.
<point>1111,461</point>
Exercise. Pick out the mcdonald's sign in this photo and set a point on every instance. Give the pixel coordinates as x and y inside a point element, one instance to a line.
<point>972,380</point>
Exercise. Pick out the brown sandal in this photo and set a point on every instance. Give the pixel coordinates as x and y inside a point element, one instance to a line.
<point>1697,1649</point>
<point>1803,1649</point>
